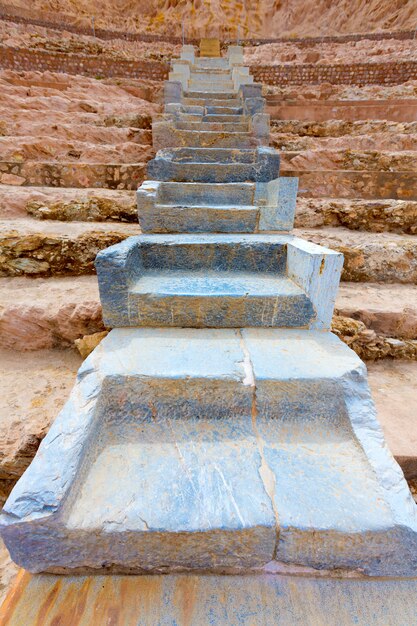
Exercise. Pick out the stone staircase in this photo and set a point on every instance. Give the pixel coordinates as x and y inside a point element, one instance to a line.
<point>220,426</point>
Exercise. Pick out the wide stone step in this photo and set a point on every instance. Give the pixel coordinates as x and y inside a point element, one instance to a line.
<point>43,313</point>
<point>30,247</point>
<point>68,204</point>
<point>208,63</point>
<point>212,71</point>
<point>66,309</point>
<point>366,185</point>
<point>70,174</point>
<point>398,216</point>
<point>167,136</point>
<point>183,415</point>
<point>211,298</point>
<point>370,257</point>
<point>218,281</point>
<point>234,105</point>
<point>214,165</point>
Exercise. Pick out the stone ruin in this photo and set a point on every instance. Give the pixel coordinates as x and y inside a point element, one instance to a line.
<point>220,426</point>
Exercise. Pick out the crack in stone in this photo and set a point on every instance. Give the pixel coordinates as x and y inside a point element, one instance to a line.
<point>267,476</point>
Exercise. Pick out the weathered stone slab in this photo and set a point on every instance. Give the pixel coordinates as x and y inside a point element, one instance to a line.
<point>215,165</point>
<point>173,453</point>
<point>232,207</point>
<point>218,281</point>
<point>166,135</point>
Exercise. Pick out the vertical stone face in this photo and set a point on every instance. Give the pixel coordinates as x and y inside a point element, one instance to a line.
<point>220,426</point>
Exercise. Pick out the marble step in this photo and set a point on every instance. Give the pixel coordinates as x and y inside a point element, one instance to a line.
<point>214,165</point>
<point>215,450</point>
<point>218,281</point>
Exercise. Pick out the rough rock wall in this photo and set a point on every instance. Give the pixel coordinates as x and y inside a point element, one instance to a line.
<point>230,18</point>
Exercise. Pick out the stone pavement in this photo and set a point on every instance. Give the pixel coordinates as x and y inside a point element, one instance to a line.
<point>220,426</point>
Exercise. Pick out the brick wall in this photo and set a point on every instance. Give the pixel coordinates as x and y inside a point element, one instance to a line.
<point>96,66</point>
<point>104,66</point>
<point>341,74</point>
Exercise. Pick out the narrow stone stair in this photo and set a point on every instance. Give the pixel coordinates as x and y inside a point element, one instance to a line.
<point>227,449</point>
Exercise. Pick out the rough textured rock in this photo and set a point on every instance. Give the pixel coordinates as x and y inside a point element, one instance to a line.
<point>388,309</point>
<point>85,345</point>
<point>93,209</point>
<point>385,257</point>
<point>38,313</point>
<point>44,379</point>
<point>43,248</point>
<point>398,216</point>
<point>370,346</point>
<point>235,19</point>
<point>68,204</point>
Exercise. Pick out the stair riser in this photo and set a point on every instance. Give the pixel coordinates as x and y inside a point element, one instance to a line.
<point>210,87</point>
<point>213,156</point>
<point>217,257</point>
<point>204,96</point>
<point>230,119</point>
<point>167,136</point>
<point>202,126</point>
<point>220,312</point>
<point>163,219</point>
<point>201,195</point>
<point>215,109</point>
<point>209,172</point>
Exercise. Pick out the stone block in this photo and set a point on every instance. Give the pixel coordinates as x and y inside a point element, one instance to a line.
<point>188,53</point>
<point>220,450</point>
<point>214,165</point>
<point>280,196</point>
<point>218,281</point>
<point>172,91</point>
<point>209,47</point>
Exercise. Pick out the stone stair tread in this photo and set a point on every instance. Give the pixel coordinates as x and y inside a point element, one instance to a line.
<point>14,200</point>
<point>209,207</point>
<point>198,454</point>
<point>347,237</point>
<point>212,283</point>
<point>28,226</point>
